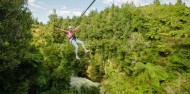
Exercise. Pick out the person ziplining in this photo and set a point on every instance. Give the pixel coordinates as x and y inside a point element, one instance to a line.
<point>73,40</point>
<point>70,34</point>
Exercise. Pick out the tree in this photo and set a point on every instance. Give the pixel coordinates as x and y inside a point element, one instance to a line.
<point>179,2</point>
<point>157,2</point>
<point>145,49</point>
<point>20,61</point>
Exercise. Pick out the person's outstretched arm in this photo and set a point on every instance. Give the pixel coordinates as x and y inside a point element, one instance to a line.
<point>62,30</point>
<point>74,30</point>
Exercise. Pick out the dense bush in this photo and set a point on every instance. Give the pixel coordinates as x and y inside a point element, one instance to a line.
<point>136,50</point>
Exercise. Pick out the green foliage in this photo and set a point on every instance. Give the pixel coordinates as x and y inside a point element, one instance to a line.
<point>20,61</point>
<point>136,50</point>
<point>141,35</point>
<point>133,50</point>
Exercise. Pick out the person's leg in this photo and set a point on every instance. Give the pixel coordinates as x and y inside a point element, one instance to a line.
<point>83,46</point>
<point>74,43</point>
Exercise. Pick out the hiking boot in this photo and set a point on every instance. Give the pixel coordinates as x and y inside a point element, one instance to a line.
<point>77,57</point>
<point>86,51</point>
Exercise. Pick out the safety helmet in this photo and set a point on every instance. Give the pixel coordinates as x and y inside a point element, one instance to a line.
<point>69,27</point>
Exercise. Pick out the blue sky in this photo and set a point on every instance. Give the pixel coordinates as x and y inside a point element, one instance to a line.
<point>41,9</point>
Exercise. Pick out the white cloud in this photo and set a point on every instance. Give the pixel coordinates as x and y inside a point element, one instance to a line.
<point>64,12</point>
<point>136,2</point>
<point>168,1</point>
<point>36,5</point>
<point>187,2</point>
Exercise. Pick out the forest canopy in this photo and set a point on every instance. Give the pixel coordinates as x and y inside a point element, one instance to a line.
<point>134,49</point>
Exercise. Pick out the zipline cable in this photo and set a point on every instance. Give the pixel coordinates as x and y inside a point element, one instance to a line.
<point>74,35</point>
<point>87,8</point>
<point>85,11</point>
